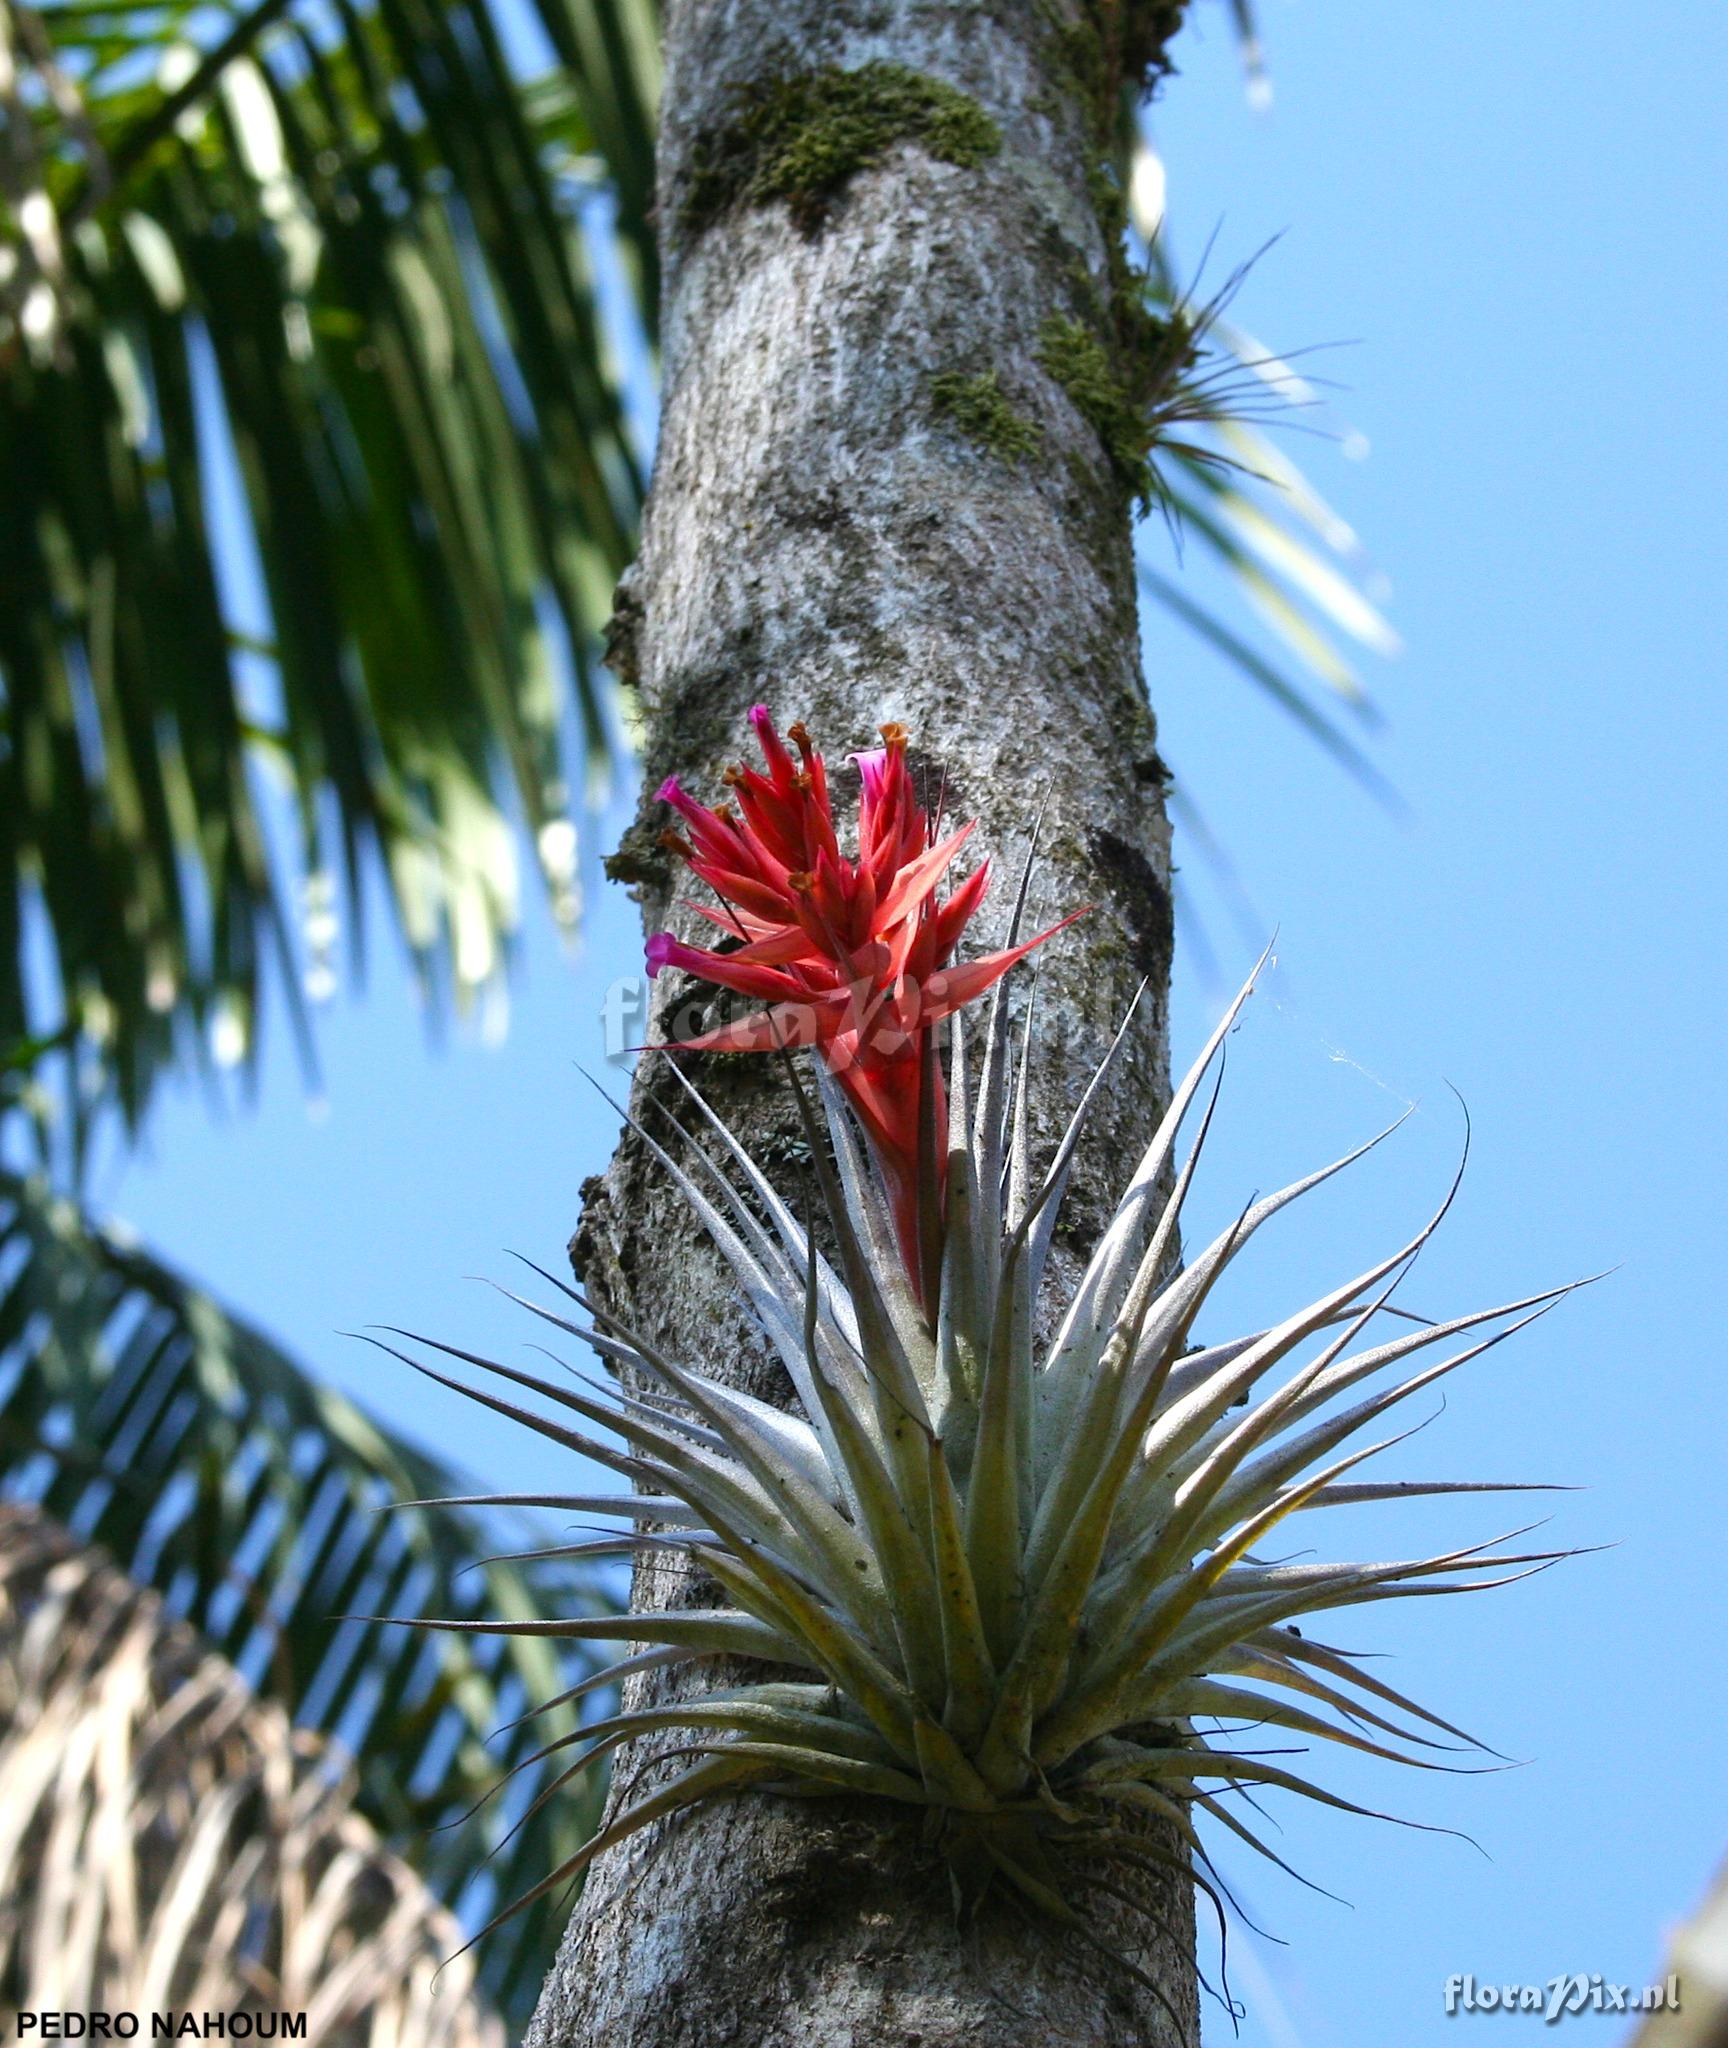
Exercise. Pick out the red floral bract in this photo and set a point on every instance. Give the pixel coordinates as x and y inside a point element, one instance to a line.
<point>849,955</point>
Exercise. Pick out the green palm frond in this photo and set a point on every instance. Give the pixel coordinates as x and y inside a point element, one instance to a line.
<point>1025,1584</point>
<point>169,1841</point>
<point>322,318</point>
<point>143,1416</point>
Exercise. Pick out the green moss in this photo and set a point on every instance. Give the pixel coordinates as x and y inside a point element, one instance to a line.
<point>1147,28</point>
<point>1154,342</point>
<point>1118,355</point>
<point>981,410</point>
<point>1077,57</point>
<point>1087,371</point>
<point>1127,364</point>
<point>800,137</point>
<point>1110,55</point>
<point>636,864</point>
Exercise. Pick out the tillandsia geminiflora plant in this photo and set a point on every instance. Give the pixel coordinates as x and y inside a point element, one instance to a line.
<point>1012,1582</point>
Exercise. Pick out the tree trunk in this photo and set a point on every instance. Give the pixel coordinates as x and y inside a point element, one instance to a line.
<point>876,498</point>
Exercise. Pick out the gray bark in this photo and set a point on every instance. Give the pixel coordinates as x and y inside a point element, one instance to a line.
<point>821,539</point>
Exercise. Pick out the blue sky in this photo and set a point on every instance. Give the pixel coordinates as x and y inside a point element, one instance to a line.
<point>1511,209</point>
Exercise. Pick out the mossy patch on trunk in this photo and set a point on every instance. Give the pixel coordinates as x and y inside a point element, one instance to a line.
<point>1111,55</point>
<point>1089,373</point>
<point>1128,367</point>
<point>980,409</point>
<point>801,136</point>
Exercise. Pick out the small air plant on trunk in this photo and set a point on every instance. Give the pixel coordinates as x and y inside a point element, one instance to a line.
<point>1012,1582</point>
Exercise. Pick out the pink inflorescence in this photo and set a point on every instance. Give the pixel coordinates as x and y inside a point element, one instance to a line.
<point>849,956</point>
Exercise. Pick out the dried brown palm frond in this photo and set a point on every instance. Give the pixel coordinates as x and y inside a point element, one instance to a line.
<point>169,1841</point>
<point>170,1431</point>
